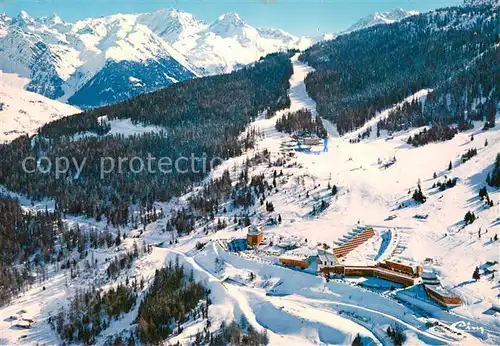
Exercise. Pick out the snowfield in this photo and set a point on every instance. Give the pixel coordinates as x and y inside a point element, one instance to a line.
<point>298,307</point>
<point>23,112</point>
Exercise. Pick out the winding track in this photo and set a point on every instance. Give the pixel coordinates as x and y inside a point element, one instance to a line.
<point>303,303</point>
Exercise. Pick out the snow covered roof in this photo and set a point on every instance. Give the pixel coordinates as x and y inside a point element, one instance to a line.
<point>254,230</point>
<point>428,275</point>
<point>326,257</point>
<point>440,290</point>
<point>303,251</point>
<point>295,257</point>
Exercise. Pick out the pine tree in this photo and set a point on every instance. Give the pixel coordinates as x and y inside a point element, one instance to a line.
<point>476,276</point>
<point>450,166</point>
<point>357,341</point>
<point>469,217</point>
<point>493,179</point>
<point>118,240</point>
<point>334,190</point>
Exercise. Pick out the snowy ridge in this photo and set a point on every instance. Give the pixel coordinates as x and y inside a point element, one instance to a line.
<point>60,58</point>
<point>172,25</point>
<point>230,42</point>
<point>376,18</point>
<point>73,61</point>
<point>23,112</point>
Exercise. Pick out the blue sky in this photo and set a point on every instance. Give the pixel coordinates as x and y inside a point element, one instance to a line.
<point>305,17</point>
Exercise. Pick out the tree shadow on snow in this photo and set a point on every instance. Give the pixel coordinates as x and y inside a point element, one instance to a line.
<point>490,312</point>
<point>478,180</point>
<point>462,284</point>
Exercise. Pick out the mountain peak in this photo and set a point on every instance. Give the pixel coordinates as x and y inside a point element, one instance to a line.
<point>230,17</point>
<point>171,24</point>
<point>55,19</point>
<point>227,25</point>
<point>23,14</point>
<point>52,20</point>
<point>386,17</point>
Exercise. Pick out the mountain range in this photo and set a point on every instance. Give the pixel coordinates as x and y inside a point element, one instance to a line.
<point>99,61</point>
<point>376,18</point>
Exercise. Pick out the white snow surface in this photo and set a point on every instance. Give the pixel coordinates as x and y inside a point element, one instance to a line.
<point>298,307</point>
<point>23,112</point>
<point>376,18</point>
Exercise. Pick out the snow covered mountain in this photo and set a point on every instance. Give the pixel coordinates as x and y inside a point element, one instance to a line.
<point>64,61</point>
<point>381,18</point>
<point>22,111</point>
<point>222,46</point>
<point>104,60</point>
<point>172,25</point>
<point>229,43</point>
<point>99,61</point>
<point>251,283</point>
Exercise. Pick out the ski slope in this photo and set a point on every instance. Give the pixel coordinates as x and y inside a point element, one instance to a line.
<point>368,194</point>
<point>23,112</point>
<point>297,307</point>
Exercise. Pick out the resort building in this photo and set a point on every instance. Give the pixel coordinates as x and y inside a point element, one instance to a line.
<point>442,296</point>
<point>429,278</point>
<point>401,267</point>
<point>372,271</point>
<point>255,236</point>
<point>294,261</point>
<point>354,242</point>
<point>326,260</point>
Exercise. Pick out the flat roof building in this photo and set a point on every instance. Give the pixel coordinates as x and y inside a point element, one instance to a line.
<point>442,296</point>
<point>255,236</point>
<point>326,259</point>
<point>294,261</point>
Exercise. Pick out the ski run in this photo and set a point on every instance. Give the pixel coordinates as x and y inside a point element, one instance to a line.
<point>301,307</point>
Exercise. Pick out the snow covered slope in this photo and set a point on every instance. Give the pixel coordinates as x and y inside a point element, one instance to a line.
<point>229,42</point>
<point>61,58</point>
<point>368,194</point>
<point>381,18</point>
<point>172,25</point>
<point>495,3</point>
<point>22,111</point>
<point>298,307</point>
